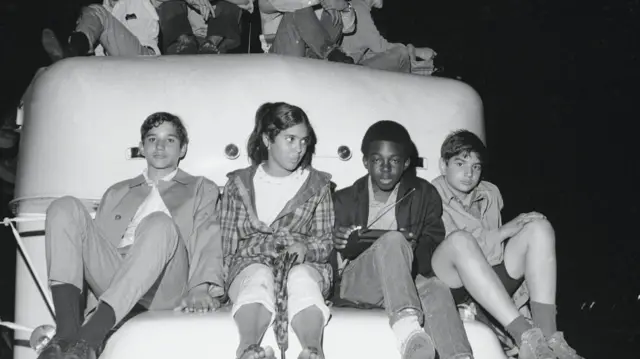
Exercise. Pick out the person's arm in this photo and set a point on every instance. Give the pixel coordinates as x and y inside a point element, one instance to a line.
<point>368,31</point>
<point>433,230</point>
<point>272,6</point>
<point>243,4</point>
<point>495,234</point>
<point>205,245</point>
<point>320,240</point>
<point>229,219</point>
<point>348,20</point>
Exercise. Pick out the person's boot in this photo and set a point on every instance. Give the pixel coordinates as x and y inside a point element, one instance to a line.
<point>534,346</point>
<point>78,45</point>
<point>337,55</point>
<point>561,348</point>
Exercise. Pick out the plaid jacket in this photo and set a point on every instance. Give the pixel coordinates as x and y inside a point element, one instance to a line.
<point>307,218</point>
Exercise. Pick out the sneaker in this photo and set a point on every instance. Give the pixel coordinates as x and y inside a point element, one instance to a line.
<point>209,47</point>
<point>418,346</point>
<point>79,349</point>
<point>561,348</point>
<point>534,346</point>
<point>54,349</point>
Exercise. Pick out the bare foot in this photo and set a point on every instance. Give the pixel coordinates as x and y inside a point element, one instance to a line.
<point>255,351</point>
<point>311,353</point>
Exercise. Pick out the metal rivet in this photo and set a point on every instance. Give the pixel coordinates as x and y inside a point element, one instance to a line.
<point>344,153</point>
<point>231,151</point>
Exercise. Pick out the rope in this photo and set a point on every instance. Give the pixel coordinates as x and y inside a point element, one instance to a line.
<point>43,289</point>
<point>16,327</point>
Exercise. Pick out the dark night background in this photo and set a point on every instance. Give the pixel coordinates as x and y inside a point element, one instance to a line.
<point>559,84</point>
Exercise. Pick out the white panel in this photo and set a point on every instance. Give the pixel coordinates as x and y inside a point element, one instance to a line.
<point>83,114</point>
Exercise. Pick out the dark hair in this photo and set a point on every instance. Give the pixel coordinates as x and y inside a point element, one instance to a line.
<point>388,131</point>
<point>462,142</point>
<point>158,118</point>
<point>271,119</point>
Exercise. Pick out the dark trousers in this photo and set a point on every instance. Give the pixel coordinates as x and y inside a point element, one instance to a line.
<point>301,34</point>
<point>226,23</point>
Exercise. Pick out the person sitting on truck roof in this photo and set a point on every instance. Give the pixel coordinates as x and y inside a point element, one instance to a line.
<point>280,204</point>
<point>221,25</point>
<point>155,240</point>
<point>117,27</point>
<point>303,28</point>
<point>487,260</point>
<point>368,48</point>
<point>393,268</point>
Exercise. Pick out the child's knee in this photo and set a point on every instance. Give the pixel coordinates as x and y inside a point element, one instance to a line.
<point>540,228</point>
<point>393,239</point>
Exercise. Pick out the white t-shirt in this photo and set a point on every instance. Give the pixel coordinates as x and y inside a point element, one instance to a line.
<point>143,21</point>
<point>273,193</point>
<point>153,203</point>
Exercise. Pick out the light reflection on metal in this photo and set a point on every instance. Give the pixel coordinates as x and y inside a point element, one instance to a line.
<point>231,151</point>
<point>344,153</point>
<point>41,336</point>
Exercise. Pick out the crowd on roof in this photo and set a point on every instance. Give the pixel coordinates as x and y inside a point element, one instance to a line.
<point>332,30</point>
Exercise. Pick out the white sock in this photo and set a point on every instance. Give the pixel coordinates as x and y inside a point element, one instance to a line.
<point>404,329</point>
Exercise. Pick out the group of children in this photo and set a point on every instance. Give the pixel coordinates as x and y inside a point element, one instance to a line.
<point>167,240</point>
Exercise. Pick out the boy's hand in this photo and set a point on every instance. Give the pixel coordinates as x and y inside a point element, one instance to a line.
<point>204,7</point>
<point>514,226</point>
<point>198,300</point>
<point>511,228</point>
<point>341,236</point>
<point>299,249</point>
<point>339,5</point>
<point>525,218</point>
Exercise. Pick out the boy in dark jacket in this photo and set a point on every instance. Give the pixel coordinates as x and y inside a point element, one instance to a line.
<point>387,225</point>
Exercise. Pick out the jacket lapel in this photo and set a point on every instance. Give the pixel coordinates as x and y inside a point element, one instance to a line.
<point>403,209</point>
<point>175,192</point>
<point>124,211</point>
<point>361,199</point>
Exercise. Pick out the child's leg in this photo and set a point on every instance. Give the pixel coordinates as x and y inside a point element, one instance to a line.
<point>308,313</point>
<point>459,261</point>
<point>253,309</point>
<point>224,30</point>
<point>381,275</point>
<point>442,320</point>
<point>532,253</point>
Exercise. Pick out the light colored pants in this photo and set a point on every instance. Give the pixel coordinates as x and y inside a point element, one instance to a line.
<point>255,284</point>
<point>101,27</point>
<point>154,271</point>
<point>396,59</point>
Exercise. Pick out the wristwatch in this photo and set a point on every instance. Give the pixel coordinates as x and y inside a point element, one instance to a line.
<point>348,8</point>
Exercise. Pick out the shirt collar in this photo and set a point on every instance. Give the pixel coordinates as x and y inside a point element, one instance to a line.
<point>478,193</point>
<point>394,192</point>
<point>166,178</point>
